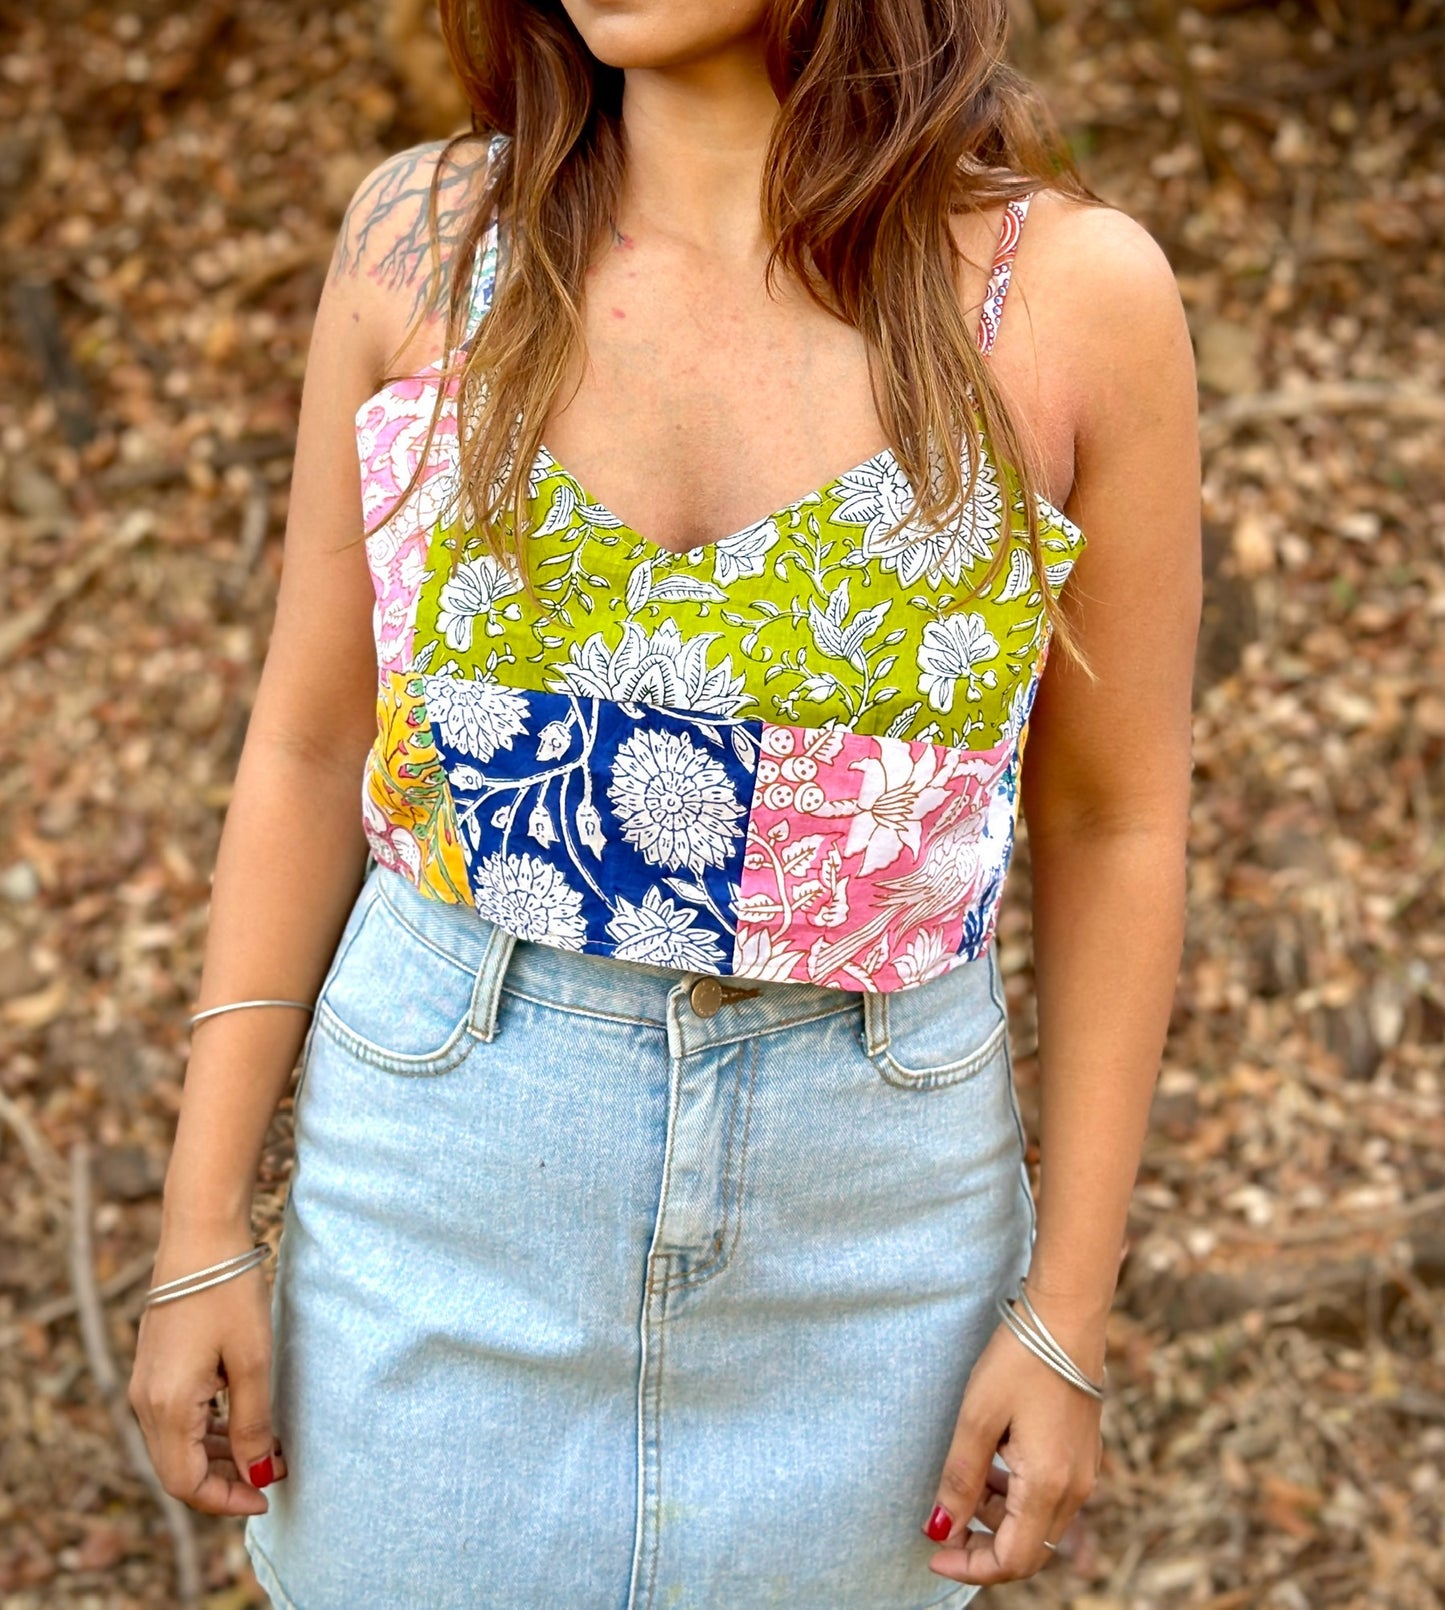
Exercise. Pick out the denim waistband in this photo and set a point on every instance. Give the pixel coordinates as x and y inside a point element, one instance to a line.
<point>662,997</point>
<point>604,987</point>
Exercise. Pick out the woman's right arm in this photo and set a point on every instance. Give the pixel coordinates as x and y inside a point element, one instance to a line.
<point>288,870</point>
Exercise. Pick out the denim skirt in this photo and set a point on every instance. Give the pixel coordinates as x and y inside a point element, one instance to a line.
<point>603,1288</point>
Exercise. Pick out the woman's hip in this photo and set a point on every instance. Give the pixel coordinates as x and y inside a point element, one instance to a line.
<point>491,1094</point>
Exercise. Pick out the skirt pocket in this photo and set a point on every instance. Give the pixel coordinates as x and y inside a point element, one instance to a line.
<point>940,1033</point>
<point>393,999</point>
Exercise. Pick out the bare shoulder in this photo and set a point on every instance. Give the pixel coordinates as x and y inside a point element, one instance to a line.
<point>383,267</point>
<point>1102,295</point>
<point>1104,253</point>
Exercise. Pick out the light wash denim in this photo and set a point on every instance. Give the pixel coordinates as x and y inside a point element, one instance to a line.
<point>588,1301</point>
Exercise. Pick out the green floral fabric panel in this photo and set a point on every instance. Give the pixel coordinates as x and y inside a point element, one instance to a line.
<point>812,616</point>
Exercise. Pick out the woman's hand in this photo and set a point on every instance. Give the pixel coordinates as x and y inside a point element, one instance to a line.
<point>186,1353</point>
<point>1052,1446</point>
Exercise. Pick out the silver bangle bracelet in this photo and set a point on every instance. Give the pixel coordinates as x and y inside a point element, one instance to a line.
<point>171,1290</point>
<point>1050,1353</point>
<point>1049,1338</point>
<point>212,1269</point>
<point>1036,1347</point>
<point>235,1006</point>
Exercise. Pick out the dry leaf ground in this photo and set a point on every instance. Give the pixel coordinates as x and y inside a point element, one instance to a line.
<point>170,178</point>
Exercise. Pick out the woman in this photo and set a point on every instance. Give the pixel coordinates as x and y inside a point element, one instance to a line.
<point>660,1212</point>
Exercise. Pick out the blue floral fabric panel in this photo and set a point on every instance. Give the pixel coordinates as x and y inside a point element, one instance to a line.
<point>597,825</point>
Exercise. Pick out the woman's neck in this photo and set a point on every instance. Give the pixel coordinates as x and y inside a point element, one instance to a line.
<point>696,138</point>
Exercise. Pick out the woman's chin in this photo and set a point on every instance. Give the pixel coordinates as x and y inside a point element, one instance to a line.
<point>660,33</point>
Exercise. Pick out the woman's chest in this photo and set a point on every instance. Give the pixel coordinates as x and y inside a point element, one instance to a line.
<point>698,402</point>
<point>700,406</point>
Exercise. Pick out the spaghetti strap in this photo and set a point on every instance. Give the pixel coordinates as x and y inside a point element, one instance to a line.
<point>484,270</point>
<point>484,281</point>
<point>991,314</point>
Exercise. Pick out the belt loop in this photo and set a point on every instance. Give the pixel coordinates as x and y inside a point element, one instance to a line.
<point>875,1022</point>
<point>487,994</point>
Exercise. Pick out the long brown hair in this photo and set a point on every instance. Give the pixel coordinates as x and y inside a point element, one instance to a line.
<point>894,114</point>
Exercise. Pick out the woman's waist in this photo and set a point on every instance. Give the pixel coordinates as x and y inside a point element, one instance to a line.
<point>606,986</point>
<point>693,841</point>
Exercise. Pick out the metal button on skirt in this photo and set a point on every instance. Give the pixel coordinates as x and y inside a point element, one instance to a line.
<point>608,1288</point>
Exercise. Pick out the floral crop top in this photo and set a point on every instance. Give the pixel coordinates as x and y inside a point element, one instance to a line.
<point>782,755</point>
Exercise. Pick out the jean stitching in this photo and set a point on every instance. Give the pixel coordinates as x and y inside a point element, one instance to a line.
<point>419,936</point>
<point>742,1173</point>
<point>487,990</point>
<point>950,1073</point>
<point>344,949</point>
<point>582,1011</point>
<point>274,1588</point>
<point>885,1027</point>
<point>681,1278</point>
<point>760,1032</point>
<point>732,1189</point>
<point>446,1059</point>
<point>653,1524</point>
<point>764,1031</point>
<point>996,988</point>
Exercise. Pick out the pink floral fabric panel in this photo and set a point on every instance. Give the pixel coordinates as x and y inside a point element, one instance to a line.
<point>391,433</point>
<point>872,863</point>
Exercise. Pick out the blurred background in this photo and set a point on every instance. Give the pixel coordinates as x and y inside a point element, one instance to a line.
<point>171,178</point>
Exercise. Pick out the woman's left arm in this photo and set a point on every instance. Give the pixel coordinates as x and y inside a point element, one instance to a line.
<point>1106,787</point>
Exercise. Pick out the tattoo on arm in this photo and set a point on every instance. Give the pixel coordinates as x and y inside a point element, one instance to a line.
<point>385,233</point>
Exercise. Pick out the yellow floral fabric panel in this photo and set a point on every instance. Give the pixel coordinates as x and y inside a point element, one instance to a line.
<point>408,814</point>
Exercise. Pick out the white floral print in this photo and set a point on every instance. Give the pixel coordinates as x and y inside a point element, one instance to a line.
<point>479,717</point>
<point>662,669</point>
<point>529,897</point>
<point>790,753</point>
<point>390,431</point>
<point>662,933</point>
<point>746,554</point>
<point>555,739</point>
<point>926,958</point>
<point>838,634</point>
<point>1020,708</point>
<point>952,650</point>
<point>902,786</point>
<point>676,804</point>
<point>877,495</point>
<point>476,590</point>
<point>874,495</point>
<point>759,954</point>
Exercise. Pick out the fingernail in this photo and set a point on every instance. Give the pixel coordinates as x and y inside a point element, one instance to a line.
<point>262,1473</point>
<point>940,1524</point>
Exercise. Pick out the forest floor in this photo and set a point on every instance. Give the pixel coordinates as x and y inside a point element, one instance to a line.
<point>171,177</point>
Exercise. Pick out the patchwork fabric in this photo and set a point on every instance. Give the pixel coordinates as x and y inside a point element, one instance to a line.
<point>595,825</point>
<point>792,753</point>
<point>391,436</point>
<point>406,808</point>
<point>872,863</point>
<point>812,616</point>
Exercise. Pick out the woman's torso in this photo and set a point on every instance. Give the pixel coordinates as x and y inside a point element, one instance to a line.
<point>780,752</point>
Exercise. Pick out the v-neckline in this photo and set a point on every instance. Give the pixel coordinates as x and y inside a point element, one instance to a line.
<point>884,457</point>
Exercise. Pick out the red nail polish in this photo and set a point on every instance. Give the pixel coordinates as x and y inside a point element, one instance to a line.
<point>940,1524</point>
<point>262,1473</point>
